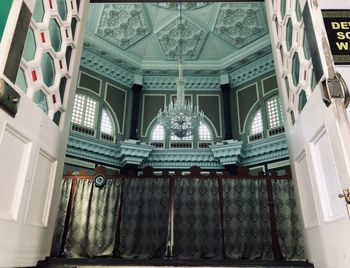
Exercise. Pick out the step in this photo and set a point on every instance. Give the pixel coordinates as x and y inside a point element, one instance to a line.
<point>167,263</point>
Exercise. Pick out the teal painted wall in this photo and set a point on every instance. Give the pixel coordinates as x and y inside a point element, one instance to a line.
<point>246,100</point>
<point>111,95</point>
<point>210,103</point>
<point>5,7</point>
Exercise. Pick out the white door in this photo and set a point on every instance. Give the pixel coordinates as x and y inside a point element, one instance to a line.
<point>318,136</point>
<point>32,144</point>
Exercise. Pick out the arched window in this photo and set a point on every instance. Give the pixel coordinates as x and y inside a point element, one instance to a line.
<point>257,124</point>
<point>84,111</point>
<point>274,111</point>
<point>106,125</point>
<point>158,133</point>
<point>204,133</point>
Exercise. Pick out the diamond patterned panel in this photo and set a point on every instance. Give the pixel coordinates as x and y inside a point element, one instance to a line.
<point>122,25</point>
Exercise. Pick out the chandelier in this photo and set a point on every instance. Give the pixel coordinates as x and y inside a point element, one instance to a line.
<point>180,117</point>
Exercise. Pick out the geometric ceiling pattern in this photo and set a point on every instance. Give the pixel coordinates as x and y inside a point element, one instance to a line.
<point>144,38</point>
<point>122,25</point>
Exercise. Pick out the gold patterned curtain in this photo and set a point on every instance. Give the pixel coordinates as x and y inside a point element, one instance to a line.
<point>92,228</point>
<point>144,218</point>
<point>61,216</point>
<point>287,220</point>
<point>197,226</point>
<point>247,231</point>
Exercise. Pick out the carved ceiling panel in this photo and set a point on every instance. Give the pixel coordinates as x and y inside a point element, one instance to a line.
<point>143,38</point>
<point>122,24</point>
<point>240,24</point>
<point>192,39</point>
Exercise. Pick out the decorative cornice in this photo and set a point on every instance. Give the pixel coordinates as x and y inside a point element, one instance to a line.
<point>182,158</point>
<point>192,82</point>
<point>133,152</point>
<point>106,68</point>
<point>252,70</point>
<point>228,152</point>
<point>270,149</point>
<point>88,149</point>
<point>140,154</point>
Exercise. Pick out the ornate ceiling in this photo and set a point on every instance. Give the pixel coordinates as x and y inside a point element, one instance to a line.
<point>144,38</point>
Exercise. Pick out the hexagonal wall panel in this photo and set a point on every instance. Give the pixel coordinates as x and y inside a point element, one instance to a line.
<point>30,46</point>
<point>122,25</point>
<point>289,34</point>
<point>240,25</point>
<point>192,39</point>
<point>55,35</point>
<point>295,69</point>
<point>48,69</point>
<point>40,99</point>
<point>38,13</point>
<point>62,9</point>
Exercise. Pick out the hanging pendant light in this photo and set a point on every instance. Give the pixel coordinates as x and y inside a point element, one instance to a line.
<point>180,118</point>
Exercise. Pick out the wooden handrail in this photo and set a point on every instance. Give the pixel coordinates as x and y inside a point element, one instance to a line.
<point>194,172</point>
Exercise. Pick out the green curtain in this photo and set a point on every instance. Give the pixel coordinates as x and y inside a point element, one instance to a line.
<point>61,216</point>
<point>287,220</point>
<point>247,231</point>
<point>92,228</point>
<point>144,218</point>
<point>197,226</point>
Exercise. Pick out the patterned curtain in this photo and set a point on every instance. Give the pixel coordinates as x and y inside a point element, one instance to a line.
<point>61,216</point>
<point>288,225</point>
<point>197,229</point>
<point>247,232</point>
<point>144,218</point>
<point>92,227</point>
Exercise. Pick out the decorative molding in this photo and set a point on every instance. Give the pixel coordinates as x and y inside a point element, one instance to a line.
<point>182,158</point>
<point>133,152</point>
<point>106,68</point>
<point>216,157</point>
<point>120,154</point>
<point>192,82</point>
<point>266,150</point>
<point>252,70</point>
<point>228,152</point>
<point>92,150</point>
